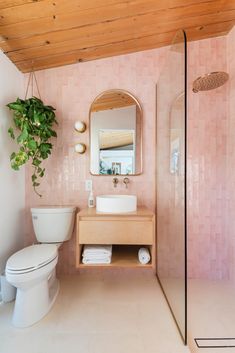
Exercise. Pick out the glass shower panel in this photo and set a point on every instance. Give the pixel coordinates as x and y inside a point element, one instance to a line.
<point>171,182</point>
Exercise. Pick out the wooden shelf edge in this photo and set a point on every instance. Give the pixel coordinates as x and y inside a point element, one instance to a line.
<point>112,265</point>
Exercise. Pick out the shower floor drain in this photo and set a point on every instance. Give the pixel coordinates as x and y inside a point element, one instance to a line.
<point>215,342</point>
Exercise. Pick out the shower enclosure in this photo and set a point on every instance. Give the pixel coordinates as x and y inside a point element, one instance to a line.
<point>171,182</point>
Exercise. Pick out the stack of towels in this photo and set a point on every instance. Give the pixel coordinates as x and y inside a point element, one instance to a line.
<point>97,254</point>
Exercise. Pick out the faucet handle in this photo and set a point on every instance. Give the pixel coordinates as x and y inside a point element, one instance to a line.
<point>115,182</point>
<point>126,181</point>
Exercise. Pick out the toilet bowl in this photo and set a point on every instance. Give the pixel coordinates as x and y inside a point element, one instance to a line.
<point>32,269</point>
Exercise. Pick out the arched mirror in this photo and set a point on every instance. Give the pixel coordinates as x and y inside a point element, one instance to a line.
<point>115,134</point>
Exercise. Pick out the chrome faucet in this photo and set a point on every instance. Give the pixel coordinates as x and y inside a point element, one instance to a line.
<point>126,181</point>
<point>115,182</point>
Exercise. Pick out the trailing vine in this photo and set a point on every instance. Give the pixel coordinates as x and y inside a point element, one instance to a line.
<point>33,129</point>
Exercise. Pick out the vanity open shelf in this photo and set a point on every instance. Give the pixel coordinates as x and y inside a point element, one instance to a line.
<point>122,256</point>
<point>127,232</point>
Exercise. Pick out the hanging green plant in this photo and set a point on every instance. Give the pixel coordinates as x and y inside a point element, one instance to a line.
<point>33,130</point>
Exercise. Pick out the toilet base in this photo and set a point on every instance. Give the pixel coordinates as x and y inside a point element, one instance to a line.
<point>34,303</point>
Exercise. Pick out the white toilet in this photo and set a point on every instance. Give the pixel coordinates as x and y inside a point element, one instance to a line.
<point>32,269</point>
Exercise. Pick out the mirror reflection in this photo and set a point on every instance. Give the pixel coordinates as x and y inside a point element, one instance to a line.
<point>177,135</point>
<point>115,134</point>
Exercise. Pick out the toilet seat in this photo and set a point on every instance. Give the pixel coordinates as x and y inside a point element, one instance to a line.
<point>31,258</point>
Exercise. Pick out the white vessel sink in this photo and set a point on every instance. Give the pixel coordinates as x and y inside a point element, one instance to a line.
<point>116,203</point>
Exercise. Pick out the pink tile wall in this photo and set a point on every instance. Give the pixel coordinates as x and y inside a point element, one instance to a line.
<point>208,240</point>
<point>71,90</point>
<point>207,164</point>
<point>231,153</point>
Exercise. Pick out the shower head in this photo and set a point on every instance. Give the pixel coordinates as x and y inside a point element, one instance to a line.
<point>210,81</point>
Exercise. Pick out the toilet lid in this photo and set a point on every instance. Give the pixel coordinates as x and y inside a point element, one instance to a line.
<point>32,257</point>
<point>53,209</point>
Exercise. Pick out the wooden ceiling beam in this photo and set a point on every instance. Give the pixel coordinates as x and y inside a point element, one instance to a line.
<point>49,8</point>
<point>12,4</point>
<point>52,33</point>
<point>78,18</point>
<point>122,33</point>
<point>81,35</point>
<point>21,10</point>
<point>169,3</point>
<point>140,10</point>
<point>89,54</point>
<point>124,27</point>
<point>114,49</point>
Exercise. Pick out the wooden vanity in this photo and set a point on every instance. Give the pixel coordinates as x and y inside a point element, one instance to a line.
<point>126,232</point>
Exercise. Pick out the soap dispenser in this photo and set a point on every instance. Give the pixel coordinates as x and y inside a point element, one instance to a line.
<point>91,201</point>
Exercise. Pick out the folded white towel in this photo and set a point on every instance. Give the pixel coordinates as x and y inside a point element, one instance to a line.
<point>90,261</point>
<point>144,256</point>
<point>96,256</point>
<point>97,249</point>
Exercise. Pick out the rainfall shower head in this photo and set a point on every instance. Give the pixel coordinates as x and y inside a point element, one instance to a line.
<point>210,81</point>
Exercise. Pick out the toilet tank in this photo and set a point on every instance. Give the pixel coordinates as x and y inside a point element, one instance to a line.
<point>53,224</point>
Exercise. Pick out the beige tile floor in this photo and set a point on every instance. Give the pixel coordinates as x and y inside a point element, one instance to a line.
<point>211,312</point>
<point>94,314</point>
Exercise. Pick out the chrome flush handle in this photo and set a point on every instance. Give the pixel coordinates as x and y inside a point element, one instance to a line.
<point>115,182</point>
<point>126,181</point>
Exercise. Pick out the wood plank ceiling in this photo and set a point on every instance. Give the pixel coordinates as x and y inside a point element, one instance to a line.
<point>50,33</point>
